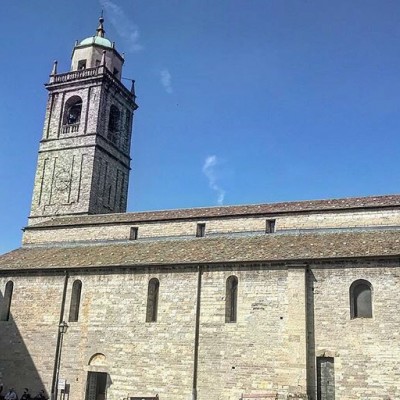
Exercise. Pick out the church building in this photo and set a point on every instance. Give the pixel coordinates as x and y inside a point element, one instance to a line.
<point>292,300</point>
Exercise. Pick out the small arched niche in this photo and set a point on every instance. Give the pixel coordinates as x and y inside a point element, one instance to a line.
<point>98,360</point>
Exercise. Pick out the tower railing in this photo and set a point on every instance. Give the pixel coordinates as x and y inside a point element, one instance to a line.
<point>100,70</point>
<point>80,74</point>
<point>71,128</point>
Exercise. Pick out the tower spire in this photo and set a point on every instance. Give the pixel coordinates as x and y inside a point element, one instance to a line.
<point>100,29</point>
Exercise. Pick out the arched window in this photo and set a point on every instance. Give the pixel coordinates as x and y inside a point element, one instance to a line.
<point>73,109</point>
<point>5,309</point>
<point>361,299</point>
<point>113,124</point>
<point>231,299</point>
<point>75,301</point>
<point>152,300</point>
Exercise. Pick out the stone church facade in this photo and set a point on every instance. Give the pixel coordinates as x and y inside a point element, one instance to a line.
<point>291,300</point>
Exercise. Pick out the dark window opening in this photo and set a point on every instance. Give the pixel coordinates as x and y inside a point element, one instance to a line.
<point>97,63</point>
<point>201,230</point>
<point>73,110</point>
<point>231,299</point>
<point>152,300</point>
<point>361,299</point>
<point>270,226</point>
<point>134,233</point>
<point>115,72</point>
<point>75,301</point>
<point>81,64</point>
<point>5,309</point>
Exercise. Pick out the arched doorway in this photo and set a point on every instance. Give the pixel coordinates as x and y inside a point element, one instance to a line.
<point>98,379</point>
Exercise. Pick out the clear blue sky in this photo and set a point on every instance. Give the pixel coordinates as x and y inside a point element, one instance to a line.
<point>240,101</point>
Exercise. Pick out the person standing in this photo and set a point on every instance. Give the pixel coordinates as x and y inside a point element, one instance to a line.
<point>40,396</point>
<point>26,395</point>
<point>11,395</point>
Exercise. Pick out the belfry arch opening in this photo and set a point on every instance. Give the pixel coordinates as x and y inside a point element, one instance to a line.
<point>72,114</point>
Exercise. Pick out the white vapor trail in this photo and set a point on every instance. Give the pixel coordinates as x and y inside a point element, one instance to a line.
<point>122,24</point>
<point>210,172</point>
<point>166,80</point>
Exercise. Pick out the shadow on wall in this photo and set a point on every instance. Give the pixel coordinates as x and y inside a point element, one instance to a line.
<point>17,368</point>
<point>311,367</point>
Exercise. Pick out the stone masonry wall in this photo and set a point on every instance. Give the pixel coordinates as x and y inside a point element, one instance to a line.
<point>61,181</point>
<point>365,350</point>
<point>109,186</point>
<point>28,338</point>
<point>263,352</point>
<point>141,358</point>
<point>293,221</point>
<point>252,355</point>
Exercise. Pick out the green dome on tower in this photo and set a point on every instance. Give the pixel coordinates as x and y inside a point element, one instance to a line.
<point>101,41</point>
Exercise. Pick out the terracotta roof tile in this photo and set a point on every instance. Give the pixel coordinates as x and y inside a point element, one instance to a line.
<point>273,247</point>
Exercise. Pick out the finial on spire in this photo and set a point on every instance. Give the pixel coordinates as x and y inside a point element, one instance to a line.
<point>133,89</point>
<point>54,70</point>
<point>100,29</point>
<point>103,59</point>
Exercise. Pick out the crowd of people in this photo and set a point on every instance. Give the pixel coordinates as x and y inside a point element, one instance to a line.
<point>11,394</point>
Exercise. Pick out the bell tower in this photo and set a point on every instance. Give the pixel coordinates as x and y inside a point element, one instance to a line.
<point>84,154</point>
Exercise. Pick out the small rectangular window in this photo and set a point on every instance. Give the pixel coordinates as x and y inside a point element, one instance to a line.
<point>152,300</point>
<point>134,233</point>
<point>270,226</point>
<point>81,64</point>
<point>231,299</point>
<point>115,71</point>
<point>201,230</point>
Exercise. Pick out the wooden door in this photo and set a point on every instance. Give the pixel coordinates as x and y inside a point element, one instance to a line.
<point>325,378</point>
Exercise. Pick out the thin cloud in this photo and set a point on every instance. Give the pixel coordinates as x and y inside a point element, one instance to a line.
<point>122,24</point>
<point>209,170</point>
<point>166,79</point>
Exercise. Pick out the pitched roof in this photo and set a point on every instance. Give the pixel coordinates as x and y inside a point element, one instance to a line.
<point>226,211</point>
<point>222,249</point>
